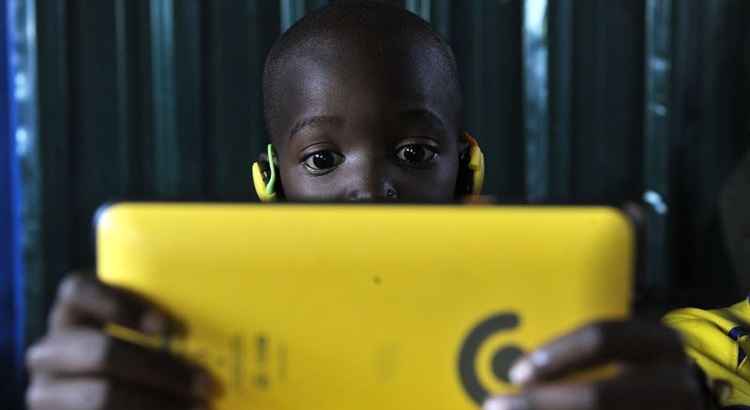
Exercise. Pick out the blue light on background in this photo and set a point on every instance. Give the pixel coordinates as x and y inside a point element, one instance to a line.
<point>11,285</point>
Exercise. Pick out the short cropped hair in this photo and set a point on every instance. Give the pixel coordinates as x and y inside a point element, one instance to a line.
<point>388,23</point>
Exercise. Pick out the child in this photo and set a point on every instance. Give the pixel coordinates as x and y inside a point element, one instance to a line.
<point>362,103</point>
<point>719,340</point>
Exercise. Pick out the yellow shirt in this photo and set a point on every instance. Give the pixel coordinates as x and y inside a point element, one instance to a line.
<point>719,342</point>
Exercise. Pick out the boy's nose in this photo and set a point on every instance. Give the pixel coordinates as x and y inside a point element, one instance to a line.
<point>372,187</point>
<point>369,195</point>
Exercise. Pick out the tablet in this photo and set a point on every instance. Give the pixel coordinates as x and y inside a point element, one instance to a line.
<point>365,306</point>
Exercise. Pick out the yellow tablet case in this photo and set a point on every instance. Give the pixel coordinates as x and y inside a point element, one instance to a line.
<point>367,307</point>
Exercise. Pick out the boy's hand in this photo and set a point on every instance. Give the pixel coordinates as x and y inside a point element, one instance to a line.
<point>78,366</point>
<point>654,372</point>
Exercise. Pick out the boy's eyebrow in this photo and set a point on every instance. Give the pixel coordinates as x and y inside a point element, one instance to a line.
<point>316,120</point>
<point>422,115</point>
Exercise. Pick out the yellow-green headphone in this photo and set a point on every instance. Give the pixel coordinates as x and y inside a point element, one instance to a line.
<point>471,179</point>
<point>475,166</point>
<point>264,177</point>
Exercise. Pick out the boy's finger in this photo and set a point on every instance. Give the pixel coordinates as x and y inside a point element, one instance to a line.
<point>99,394</point>
<point>86,301</point>
<point>665,388</point>
<point>598,344</point>
<point>91,353</point>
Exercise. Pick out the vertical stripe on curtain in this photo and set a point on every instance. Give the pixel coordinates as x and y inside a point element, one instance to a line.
<point>11,323</point>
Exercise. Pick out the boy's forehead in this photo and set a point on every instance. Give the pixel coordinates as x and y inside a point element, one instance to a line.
<point>341,73</point>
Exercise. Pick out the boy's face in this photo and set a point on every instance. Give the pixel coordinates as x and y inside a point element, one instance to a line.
<point>358,124</point>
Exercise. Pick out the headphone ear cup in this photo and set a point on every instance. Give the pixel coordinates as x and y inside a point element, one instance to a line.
<point>472,165</point>
<point>476,165</point>
<point>259,182</point>
<point>264,176</point>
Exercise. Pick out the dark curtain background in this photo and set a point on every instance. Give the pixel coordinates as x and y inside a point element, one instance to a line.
<point>11,290</point>
<point>7,339</point>
<point>593,101</point>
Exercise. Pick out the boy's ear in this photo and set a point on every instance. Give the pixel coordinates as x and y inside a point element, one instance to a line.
<point>464,179</point>
<point>463,145</point>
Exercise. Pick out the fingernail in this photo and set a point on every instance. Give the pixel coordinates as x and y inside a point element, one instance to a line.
<point>36,354</point>
<point>539,358</point>
<point>203,385</point>
<point>723,391</point>
<point>505,403</point>
<point>154,322</point>
<point>521,372</point>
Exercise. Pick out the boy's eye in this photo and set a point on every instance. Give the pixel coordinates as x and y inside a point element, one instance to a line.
<point>416,154</point>
<point>323,161</point>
